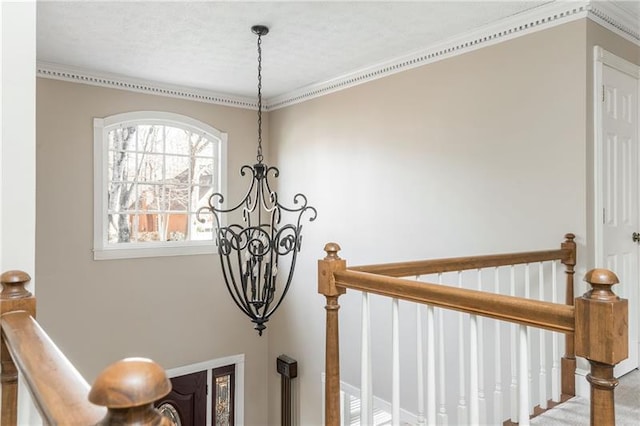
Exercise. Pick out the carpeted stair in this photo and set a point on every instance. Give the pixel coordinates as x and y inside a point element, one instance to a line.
<point>576,410</point>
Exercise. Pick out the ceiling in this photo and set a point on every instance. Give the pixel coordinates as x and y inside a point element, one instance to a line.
<point>209,45</point>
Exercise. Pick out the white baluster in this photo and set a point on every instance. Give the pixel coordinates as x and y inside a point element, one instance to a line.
<point>523,394</point>
<point>345,409</point>
<point>420,362</point>
<point>543,346</point>
<point>527,295</point>
<point>482,402</point>
<point>395,378</point>
<point>431,366</point>
<point>473,371</point>
<point>462,402</point>
<point>513,388</point>
<point>323,378</point>
<point>442,400</point>
<point>366,388</point>
<point>497,357</point>
<point>555,350</point>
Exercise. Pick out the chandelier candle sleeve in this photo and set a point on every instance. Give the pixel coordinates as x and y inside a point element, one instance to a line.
<point>258,255</point>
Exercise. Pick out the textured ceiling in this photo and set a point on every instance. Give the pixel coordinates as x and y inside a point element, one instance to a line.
<point>632,6</point>
<point>209,45</point>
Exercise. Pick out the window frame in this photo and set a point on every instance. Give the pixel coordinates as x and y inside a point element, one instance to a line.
<point>102,250</point>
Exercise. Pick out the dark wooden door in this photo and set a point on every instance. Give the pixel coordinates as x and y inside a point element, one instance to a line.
<point>187,400</point>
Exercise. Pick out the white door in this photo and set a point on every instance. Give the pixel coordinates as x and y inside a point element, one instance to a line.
<point>620,187</point>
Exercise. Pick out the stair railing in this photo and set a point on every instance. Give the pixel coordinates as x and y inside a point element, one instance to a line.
<point>334,278</point>
<point>123,394</point>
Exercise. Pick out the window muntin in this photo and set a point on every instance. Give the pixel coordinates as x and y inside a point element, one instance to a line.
<point>153,172</point>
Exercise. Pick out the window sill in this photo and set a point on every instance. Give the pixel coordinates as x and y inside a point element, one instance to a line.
<point>158,251</point>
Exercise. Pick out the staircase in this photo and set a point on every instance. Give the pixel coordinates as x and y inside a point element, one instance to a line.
<point>594,328</point>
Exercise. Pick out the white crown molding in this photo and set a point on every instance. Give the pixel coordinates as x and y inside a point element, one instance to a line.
<point>549,15</point>
<point>537,19</point>
<point>114,81</point>
<point>610,15</point>
<point>556,13</point>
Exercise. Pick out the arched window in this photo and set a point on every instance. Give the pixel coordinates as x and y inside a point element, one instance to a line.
<point>152,172</point>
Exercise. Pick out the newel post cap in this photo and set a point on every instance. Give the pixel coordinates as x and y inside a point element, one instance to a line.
<point>131,382</point>
<point>13,285</point>
<point>601,276</point>
<point>332,250</point>
<point>601,281</point>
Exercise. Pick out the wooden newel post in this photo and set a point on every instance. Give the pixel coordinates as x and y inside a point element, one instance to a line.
<point>327,287</point>
<point>13,297</point>
<point>568,362</point>
<point>602,338</point>
<point>128,389</point>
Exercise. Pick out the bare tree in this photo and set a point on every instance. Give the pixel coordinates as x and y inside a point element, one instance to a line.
<point>119,194</point>
<point>168,192</point>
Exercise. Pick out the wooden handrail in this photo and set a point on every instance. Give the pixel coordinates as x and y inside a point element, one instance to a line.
<point>535,313</point>
<point>127,388</point>
<point>566,254</point>
<point>435,266</point>
<point>32,350</point>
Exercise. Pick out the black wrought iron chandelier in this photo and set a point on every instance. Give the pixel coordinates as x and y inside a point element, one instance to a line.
<point>262,248</point>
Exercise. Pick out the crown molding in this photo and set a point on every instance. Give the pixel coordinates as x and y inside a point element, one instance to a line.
<point>537,19</point>
<point>608,14</point>
<point>612,16</point>
<point>115,81</point>
<point>555,13</point>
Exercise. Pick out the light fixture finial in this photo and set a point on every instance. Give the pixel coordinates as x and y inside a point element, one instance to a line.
<point>260,30</point>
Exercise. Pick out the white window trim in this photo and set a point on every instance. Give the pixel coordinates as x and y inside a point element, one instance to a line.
<point>101,126</point>
<point>238,395</point>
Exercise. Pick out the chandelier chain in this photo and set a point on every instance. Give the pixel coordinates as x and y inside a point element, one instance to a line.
<point>259,155</point>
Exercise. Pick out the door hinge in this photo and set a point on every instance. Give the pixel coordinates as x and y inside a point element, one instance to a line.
<point>207,391</point>
<point>603,216</point>
<point>603,93</point>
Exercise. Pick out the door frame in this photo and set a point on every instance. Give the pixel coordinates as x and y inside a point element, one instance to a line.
<point>602,57</point>
<point>238,395</point>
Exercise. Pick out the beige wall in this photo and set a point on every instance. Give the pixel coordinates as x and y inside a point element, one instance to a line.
<point>480,153</point>
<point>175,310</point>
